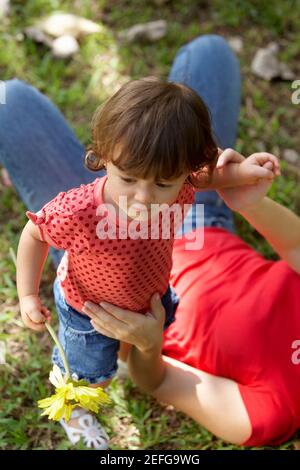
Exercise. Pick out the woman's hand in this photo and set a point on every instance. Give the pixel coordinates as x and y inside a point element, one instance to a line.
<point>145,332</point>
<point>257,172</point>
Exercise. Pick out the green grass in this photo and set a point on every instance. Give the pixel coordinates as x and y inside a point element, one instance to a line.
<point>77,86</point>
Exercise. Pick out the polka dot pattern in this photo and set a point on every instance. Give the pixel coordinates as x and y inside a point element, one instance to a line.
<point>124,272</point>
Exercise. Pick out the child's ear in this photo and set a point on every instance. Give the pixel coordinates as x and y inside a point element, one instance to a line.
<point>93,162</point>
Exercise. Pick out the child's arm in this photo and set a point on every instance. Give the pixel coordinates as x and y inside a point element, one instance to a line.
<point>280,227</point>
<point>31,257</point>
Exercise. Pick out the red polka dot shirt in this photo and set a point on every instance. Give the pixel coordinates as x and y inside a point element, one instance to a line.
<point>106,259</point>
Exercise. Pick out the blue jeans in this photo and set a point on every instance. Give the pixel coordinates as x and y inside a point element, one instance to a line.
<point>91,355</point>
<point>208,65</point>
<point>43,156</point>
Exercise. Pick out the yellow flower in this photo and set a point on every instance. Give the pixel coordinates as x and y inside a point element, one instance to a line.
<point>69,394</point>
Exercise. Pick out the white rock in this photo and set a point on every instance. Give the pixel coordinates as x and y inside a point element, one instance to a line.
<point>4,8</point>
<point>38,35</point>
<point>151,31</point>
<point>291,156</point>
<point>266,64</point>
<point>236,43</point>
<point>285,72</point>
<point>64,47</point>
<point>60,24</point>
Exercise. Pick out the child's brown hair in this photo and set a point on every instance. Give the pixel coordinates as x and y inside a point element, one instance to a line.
<point>163,129</point>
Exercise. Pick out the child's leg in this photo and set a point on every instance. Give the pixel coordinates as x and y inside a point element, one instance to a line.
<point>124,351</point>
<point>102,384</point>
<point>208,65</point>
<point>92,357</point>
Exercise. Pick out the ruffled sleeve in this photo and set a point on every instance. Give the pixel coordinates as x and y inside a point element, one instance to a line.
<point>56,222</point>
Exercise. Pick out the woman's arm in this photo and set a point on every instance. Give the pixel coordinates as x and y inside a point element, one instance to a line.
<point>147,368</point>
<point>279,226</point>
<point>214,402</point>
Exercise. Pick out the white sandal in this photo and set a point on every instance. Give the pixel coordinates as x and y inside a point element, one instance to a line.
<point>90,430</point>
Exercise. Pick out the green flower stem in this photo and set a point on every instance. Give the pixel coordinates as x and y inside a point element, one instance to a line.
<point>61,351</point>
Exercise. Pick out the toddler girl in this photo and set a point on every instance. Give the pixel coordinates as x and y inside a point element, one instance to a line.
<point>154,139</point>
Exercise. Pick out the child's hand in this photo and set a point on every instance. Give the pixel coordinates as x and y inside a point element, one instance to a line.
<point>34,314</point>
<point>255,173</point>
<point>249,170</point>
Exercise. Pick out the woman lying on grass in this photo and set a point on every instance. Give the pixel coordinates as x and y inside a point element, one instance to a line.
<point>230,359</point>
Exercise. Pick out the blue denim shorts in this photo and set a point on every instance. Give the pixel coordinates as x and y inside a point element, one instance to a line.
<point>91,355</point>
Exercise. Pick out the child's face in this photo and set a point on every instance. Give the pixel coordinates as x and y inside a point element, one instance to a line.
<point>140,193</point>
